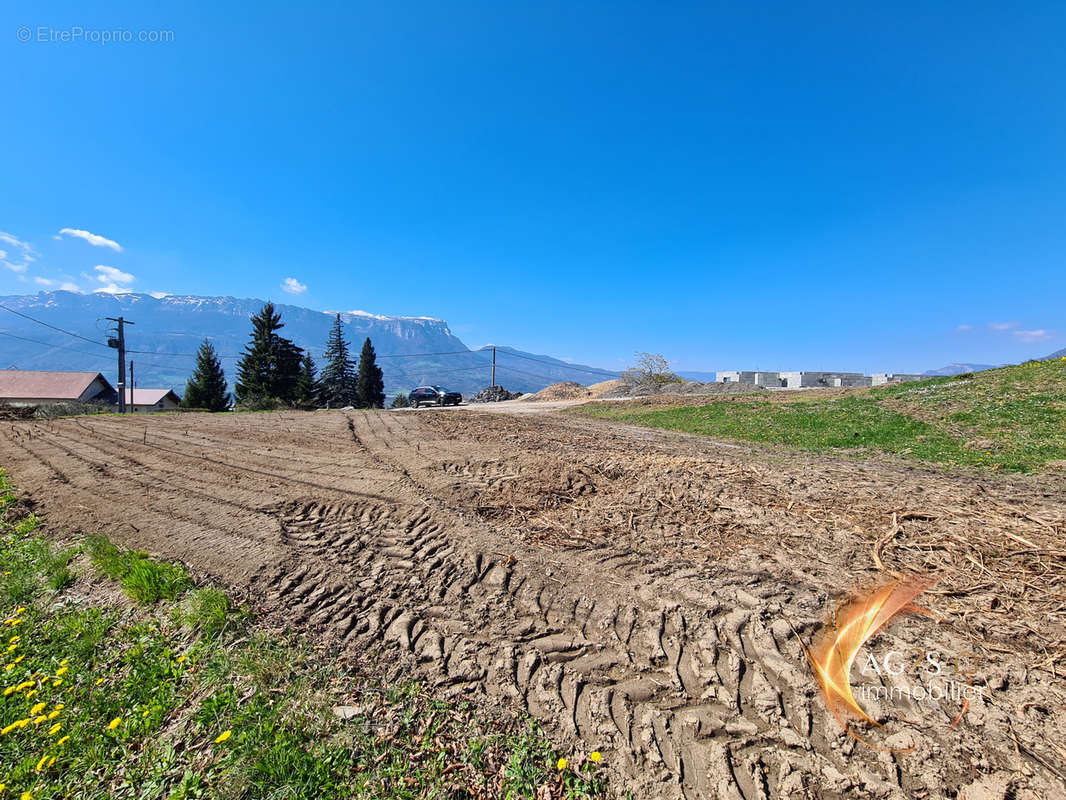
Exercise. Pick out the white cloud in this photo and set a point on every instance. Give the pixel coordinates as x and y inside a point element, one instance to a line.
<point>112,275</point>
<point>94,239</point>
<point>113,288</point>
<point>1002,326</point>
<point>69,287</point>
<point>44,282</point>
<point>1032,336</point>
<point>293,286</point>
<point>963,328</point>
<point>114,280</point>
<point>26,253</point>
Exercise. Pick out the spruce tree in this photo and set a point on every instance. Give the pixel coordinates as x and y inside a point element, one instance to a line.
<point>207,386</point>
<point>270,365</point>
<point>337,379</point>
<point>307,384</point>
<point>369,385</point>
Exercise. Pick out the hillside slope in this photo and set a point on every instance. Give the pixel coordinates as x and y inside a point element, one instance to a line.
<point>1010,418</point>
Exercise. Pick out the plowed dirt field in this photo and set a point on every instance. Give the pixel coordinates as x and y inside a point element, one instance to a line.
<point>641,593</point>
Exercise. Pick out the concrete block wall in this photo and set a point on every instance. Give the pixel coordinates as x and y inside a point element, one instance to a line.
<point>881,378</point>
<point>768,379</point>
<point>735,377</point>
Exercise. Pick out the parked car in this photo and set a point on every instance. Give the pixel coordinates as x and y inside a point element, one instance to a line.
<point>433,395</point>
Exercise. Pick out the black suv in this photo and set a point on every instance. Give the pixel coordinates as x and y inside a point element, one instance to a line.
<point>433,395</point>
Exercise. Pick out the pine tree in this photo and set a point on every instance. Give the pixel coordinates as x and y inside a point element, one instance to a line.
<point>270,366</point>
<point>207,386</point>
<point>307,384</point>
<point>337,379</point>
<point>369,385</point>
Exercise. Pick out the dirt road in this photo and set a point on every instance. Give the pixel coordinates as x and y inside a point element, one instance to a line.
<point>641,593</point>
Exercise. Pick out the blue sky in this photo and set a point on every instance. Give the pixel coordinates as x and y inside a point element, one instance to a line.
<point>781,186</point>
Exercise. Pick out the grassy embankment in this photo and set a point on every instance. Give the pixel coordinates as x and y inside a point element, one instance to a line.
<point>1011,418</point>
<point>166,690</point>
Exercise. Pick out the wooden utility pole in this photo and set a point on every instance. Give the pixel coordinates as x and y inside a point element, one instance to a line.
<point>119,342</point>
<point>493,367</point>
<point>131,387</point>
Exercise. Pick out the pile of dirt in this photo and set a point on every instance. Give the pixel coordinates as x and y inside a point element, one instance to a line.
<point>600,389</point>
<point>494,394</point>
<point>621,389</point>
<point>9,412</point>
<point>567,390</point>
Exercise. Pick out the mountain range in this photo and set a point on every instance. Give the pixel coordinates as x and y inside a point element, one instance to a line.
<point>959,369</point>
<point>166,332</point>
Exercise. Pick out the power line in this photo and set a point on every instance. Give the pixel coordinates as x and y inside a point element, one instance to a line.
<point>556,365</point>
<point>419,355</point>
<point>60,346</point>
<point>53,327</point>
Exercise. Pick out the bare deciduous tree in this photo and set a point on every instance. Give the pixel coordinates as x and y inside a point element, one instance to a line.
<point>650,370</point>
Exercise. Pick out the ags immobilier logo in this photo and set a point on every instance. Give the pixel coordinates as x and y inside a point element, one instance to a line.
<point>837,646</point>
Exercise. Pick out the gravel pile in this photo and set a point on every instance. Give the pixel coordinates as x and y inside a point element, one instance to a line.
<point>494,394</point>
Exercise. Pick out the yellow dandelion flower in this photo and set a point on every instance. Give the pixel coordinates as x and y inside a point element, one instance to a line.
<point>114,723</point>
<point>54,729</point>
<point>62,671</point>
<point>37,709</point>
<point>26,796</point>
<point>223,737</point>
<point>11,647</point>
<point>59,707</point>
<point>595,756</point>
<point>42,763</point>
<point>18,660</point>
<point>181,659</point>
<point>145,714</point>
<point>99,681</point>
<point>63,741</point>
<point>10,690</point>
<point>561,764</point>
<point>57,683</point>
<point>51,761</point>
<point>9,667</point>
<point>64,662</point>
<point>40,719</point>
<point>30,693</point>
<point>14,639</point>
<point>9,728</point>
<point>19,610</point>
<point>53,715</point>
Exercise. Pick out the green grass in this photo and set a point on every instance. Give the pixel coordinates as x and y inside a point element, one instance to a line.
<point>144,579</point>
<point>178,694</point>
<point>1012,418</point>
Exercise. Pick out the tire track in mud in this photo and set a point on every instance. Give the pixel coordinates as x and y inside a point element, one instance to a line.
<point>686,697</point>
